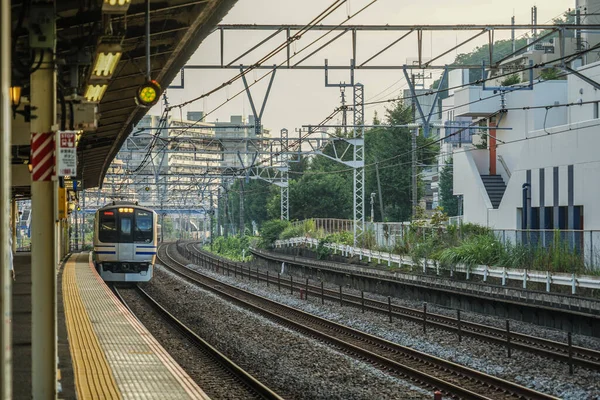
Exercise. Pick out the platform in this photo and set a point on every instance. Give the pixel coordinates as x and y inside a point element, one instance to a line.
<point>104,352</point>
<point>114,355</point>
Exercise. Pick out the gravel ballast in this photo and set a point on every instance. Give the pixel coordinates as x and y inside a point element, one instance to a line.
<point>524,368</point>
<point>294,366</point>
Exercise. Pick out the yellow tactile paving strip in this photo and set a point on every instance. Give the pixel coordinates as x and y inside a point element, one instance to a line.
<point>142,369</point>
<point>93,377</point>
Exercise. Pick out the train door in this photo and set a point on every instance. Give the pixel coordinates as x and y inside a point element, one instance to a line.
<point>125,248</point>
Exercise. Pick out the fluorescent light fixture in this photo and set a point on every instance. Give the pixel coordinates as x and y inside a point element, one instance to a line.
<point>115,6</point>
<point>106,60</point>
<point>95,92</point>
<point>105,63</point>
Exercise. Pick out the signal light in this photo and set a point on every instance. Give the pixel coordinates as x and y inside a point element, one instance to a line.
<point>148,94</point>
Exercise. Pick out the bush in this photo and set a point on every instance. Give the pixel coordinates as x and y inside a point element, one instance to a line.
<point>270,231</point>
<point>235,248</point>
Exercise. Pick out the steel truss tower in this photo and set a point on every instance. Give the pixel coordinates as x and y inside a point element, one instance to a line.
<point>284,168</point>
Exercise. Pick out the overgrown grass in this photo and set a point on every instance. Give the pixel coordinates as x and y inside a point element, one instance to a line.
<point>234,248</point>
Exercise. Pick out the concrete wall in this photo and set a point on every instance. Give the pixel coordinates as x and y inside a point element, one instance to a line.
<point>467,182</point>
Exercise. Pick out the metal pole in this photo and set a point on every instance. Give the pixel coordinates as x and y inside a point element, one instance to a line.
<point>362,301</point>
<point>43,276</point>
<point>459,326</point>
<point>508,338</point>
<point>341,299</point>
<point>424,317</point>
<point>379,191</point>
<point>390,308</point>
<point>5,190</point>
<point>414,154</point>
<point>306,290</point>
<point>322,294</point>
<point>570,341</point>
<point>148,68</point>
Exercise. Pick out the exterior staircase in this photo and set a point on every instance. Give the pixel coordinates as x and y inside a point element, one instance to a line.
<point>495,187</point>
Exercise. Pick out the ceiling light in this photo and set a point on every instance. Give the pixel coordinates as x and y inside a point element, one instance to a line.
<point>115,6</point>
<point>95,92</point>
<point>107,58</point>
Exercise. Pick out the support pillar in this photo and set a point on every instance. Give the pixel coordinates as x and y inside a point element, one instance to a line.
<point>492,143</point>
<point>5,190</point>
<point>43,250</point>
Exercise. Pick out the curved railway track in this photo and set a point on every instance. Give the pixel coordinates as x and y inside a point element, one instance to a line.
<point>557,351</point>
<point>218,373</point>
<point>424,370</point>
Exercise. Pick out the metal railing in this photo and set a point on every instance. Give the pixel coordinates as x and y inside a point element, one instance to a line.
<point>525,276</point>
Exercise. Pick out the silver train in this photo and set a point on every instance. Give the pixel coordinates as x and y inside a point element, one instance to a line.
<point>125,242</point>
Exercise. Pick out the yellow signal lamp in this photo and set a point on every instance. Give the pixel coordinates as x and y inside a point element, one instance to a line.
<point>148,94</point>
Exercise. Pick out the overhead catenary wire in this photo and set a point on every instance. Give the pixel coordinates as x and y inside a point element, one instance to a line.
<point>573,55</point>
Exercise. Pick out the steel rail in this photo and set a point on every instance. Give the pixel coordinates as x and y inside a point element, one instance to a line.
<point>427,370</point>
<point>230,368</point>
<point>581,356</point>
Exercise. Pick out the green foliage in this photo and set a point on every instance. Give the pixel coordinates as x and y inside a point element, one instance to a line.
<point>256,194</point>
<point>476,250</point>
<point>551,74</point>
<point>270,231</point>
<point>394,145</point>
<point>511,80</point>
<point>322,251</point>
<point>448,201</point>
<point>235,248</point>
<point>344,237</point>
<point>306,228</point>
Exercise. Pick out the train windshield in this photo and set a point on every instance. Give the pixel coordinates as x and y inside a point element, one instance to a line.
<point>108,227</point>
<point>126,227</point>
<point>143,227</point>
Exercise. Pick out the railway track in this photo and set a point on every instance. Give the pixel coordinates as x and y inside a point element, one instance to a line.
<point>408,364</point>
<point>557,351</point>
<point>219,376</point>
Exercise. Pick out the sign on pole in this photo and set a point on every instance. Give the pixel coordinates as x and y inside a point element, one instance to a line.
<point>66,153</point>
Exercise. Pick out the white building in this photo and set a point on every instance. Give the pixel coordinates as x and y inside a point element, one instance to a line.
<point>552,148</point>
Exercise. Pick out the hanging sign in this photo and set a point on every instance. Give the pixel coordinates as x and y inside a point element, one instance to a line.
<point>66,153</point>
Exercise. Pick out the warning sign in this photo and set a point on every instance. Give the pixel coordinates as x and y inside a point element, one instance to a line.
<point>66,153</point>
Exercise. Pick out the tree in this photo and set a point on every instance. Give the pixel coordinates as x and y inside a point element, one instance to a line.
<point>389,150</point>
<point>448,201</point>
<point>256,195</point>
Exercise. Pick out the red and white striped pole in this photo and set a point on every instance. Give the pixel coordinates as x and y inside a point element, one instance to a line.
<point>42,156</point>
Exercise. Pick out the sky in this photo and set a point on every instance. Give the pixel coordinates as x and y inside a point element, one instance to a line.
<point>300,97</point>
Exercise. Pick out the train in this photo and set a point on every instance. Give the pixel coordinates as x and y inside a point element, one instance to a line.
<point>125,242</point>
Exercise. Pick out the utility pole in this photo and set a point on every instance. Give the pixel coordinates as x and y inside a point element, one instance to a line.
<point>372,207</point>
<point>414,154</point>
<point>379,190</point>
<point>241,207</point>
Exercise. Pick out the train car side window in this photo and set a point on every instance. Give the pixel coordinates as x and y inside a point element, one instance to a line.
<point>143,227</point>
<point>125,222</point>
<point>108,227</point>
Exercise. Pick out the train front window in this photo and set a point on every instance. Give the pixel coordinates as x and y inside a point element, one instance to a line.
<point>143,227</point>
<point>125,222</point>
<point>108,227</point>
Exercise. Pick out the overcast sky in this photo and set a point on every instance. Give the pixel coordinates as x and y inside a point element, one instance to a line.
<point>300,97</point>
